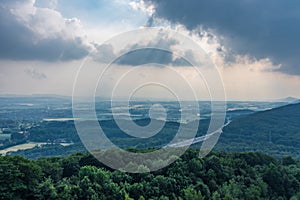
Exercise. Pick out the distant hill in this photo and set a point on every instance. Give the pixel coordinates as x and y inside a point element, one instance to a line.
<point>289,100</point>
<point>276,132</point>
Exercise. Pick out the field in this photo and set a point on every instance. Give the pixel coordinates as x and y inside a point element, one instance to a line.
<point>29,145</point>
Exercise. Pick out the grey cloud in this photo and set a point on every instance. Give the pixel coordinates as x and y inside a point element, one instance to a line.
<point>19,42</point>
<point>139,54</point>
<point>35,74</point>
<point>268,28</point>
<point>144,56</point>
<point>105,53</point>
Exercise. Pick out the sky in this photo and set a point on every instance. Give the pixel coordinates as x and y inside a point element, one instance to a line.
<point>253,45</point>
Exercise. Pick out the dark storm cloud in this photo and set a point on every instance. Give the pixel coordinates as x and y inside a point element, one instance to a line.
<point>18,42</point>
<point>260,28</point>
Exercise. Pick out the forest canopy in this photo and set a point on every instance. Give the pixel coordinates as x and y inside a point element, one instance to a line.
<point>217,176</point>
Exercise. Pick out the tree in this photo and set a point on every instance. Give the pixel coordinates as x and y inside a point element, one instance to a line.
<point>19,178</point>
<point>191,194</point>
<point>46,190</point>
<point>97,181</point>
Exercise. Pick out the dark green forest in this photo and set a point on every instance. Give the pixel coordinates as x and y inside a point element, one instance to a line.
<point>275,132</point>
<point>218,176</point>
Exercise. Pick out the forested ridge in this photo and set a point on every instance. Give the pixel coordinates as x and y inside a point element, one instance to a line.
<point>275,132</point>
<point>217,176</point>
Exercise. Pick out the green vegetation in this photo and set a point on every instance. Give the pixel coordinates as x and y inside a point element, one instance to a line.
<point>275,132</point>
<point>217,176</point>
<point>53,132</point>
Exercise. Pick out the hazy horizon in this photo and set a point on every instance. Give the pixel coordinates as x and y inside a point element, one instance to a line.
<point>287,99</point>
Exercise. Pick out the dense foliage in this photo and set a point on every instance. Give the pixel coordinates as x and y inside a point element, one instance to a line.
<point>275,132</point>
<point>217,176</point>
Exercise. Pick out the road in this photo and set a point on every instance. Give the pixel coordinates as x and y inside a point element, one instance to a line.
<point>197,139</point>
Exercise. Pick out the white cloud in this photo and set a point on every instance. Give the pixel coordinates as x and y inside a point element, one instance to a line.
<point>47,22</point>
<point>22,9</point>
<point>142,6</point>
<point>40,33</point>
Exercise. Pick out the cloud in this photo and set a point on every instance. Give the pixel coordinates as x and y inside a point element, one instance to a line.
<point>262,29</point>
<point>29,32</point>
<point>33,73</point>
<point>104,53</point>
<point>145,56</point>
<point>157,51</point>
<point>142,6</point>
<point>46,3</point>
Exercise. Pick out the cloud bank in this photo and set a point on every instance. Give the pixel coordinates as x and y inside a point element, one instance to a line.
<point>261,29</point>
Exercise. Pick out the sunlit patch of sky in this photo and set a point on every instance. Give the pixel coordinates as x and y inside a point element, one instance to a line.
<point>103,12</point>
